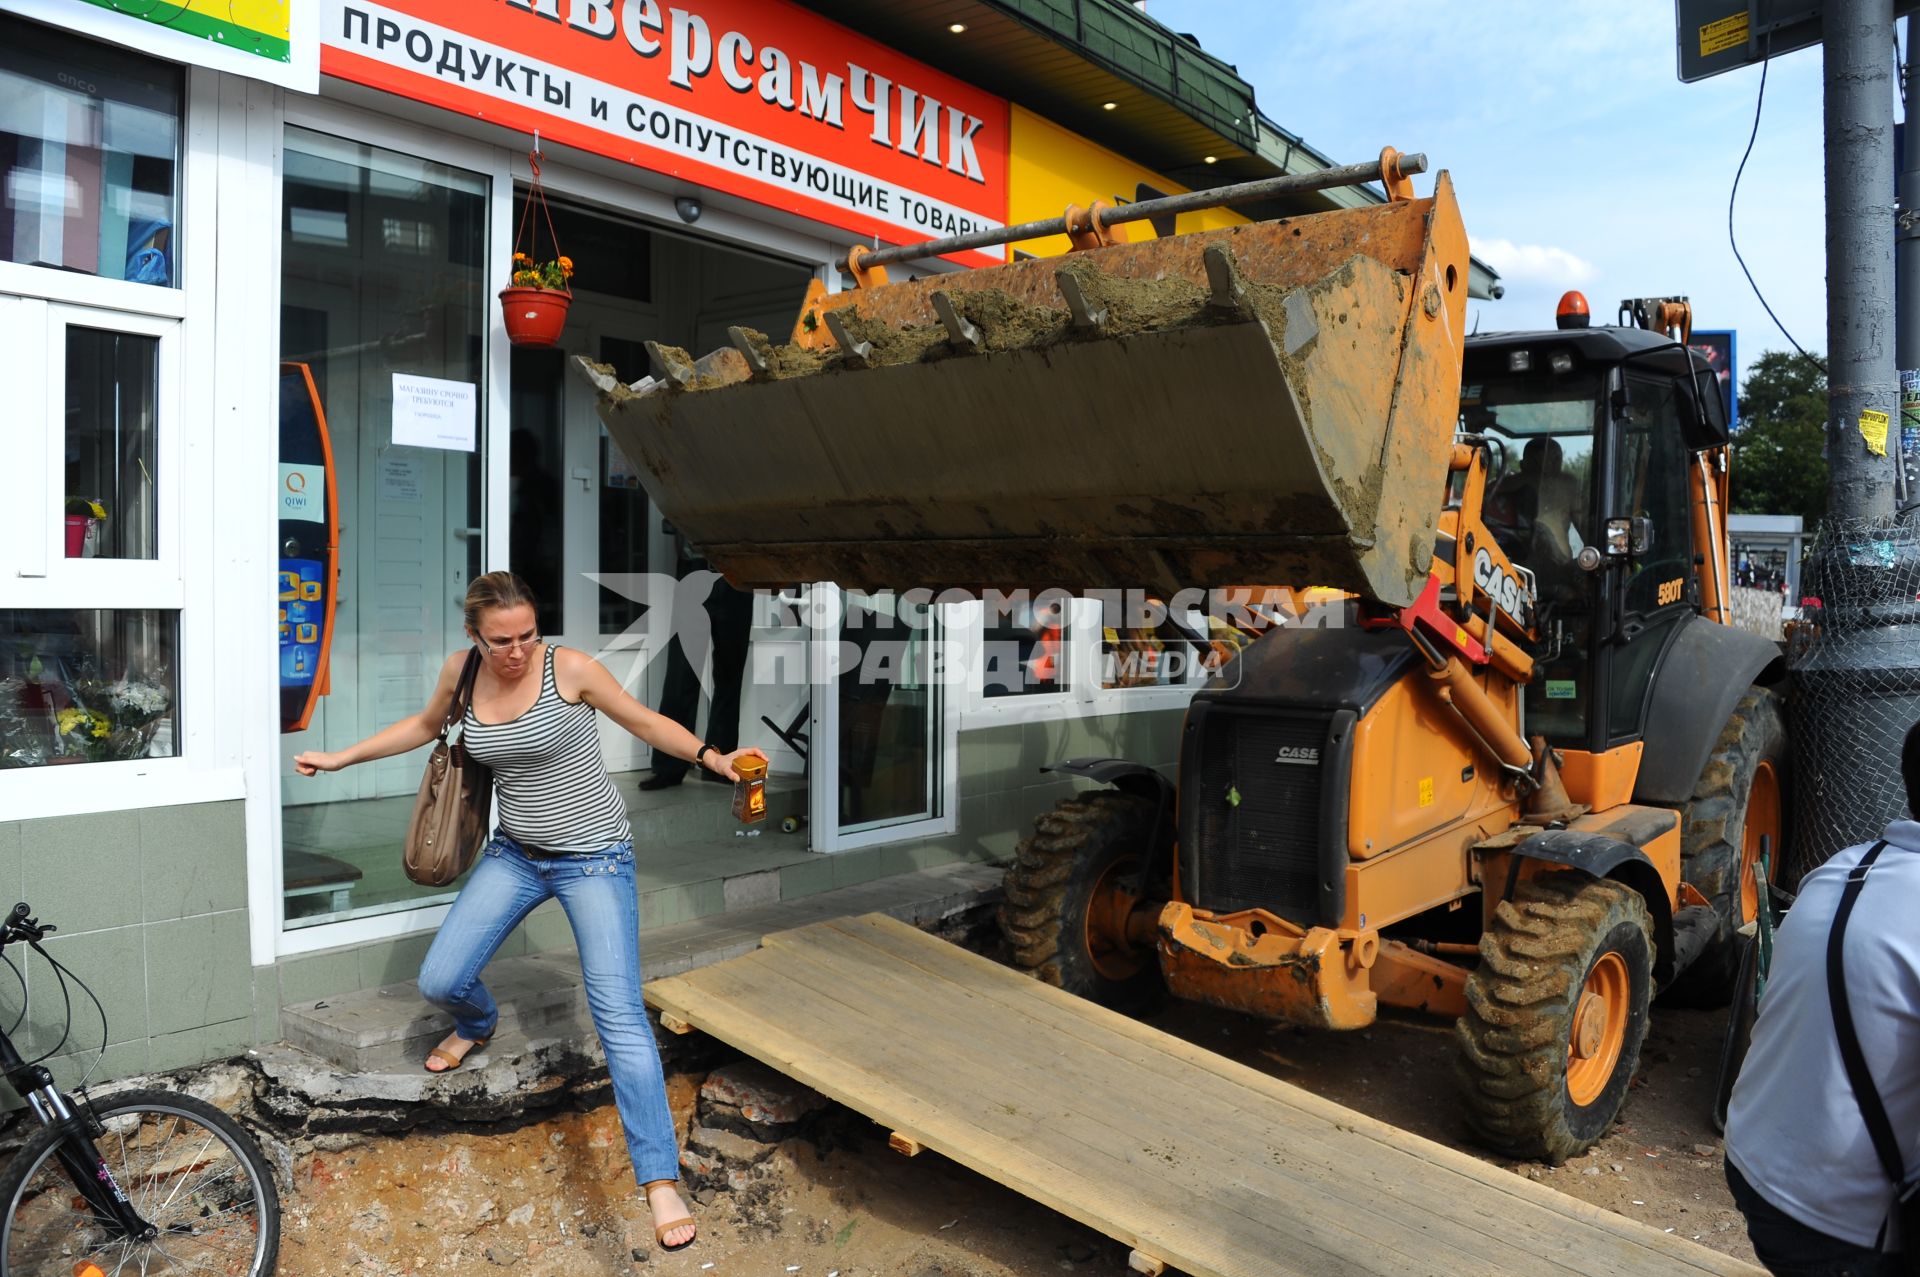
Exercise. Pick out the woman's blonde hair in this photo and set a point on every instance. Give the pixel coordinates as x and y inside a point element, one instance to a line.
<point>496,590</point>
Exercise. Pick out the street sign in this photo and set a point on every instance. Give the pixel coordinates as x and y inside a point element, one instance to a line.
<point>1723,35</point>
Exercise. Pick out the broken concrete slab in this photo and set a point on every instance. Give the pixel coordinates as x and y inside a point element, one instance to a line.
<point>769,1101</point>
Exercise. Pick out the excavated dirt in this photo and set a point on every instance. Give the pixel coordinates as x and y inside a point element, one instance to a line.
<point>556,1197</point>
<point>1005,323</point>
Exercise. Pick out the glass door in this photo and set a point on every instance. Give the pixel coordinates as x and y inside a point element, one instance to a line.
<point>383,307</point>
<point>883,721</point>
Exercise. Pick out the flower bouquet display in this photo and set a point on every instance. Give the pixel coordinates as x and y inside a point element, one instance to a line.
<point>111,721</point>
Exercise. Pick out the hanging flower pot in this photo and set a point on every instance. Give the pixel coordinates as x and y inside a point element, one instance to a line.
<point>534,316</point>
<point>534,305</point>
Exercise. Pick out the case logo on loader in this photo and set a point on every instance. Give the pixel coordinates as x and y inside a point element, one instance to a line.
<point>1298,755</point>
<point>1503,588</point>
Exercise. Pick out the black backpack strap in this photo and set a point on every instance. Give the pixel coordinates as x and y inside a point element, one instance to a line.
<point>1864,1092</point>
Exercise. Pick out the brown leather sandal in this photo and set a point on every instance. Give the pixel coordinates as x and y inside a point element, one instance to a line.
<point>451,1060</point>
<point>660,1231</point>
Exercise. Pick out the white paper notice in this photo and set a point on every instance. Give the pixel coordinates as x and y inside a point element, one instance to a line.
<point>431,413</point>
<point>403,479</point>
<point>303,492</point>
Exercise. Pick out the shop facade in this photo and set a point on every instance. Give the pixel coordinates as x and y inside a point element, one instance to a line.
<point>267,424</point>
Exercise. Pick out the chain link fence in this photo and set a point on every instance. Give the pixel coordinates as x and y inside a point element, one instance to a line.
<point>1854,655</point>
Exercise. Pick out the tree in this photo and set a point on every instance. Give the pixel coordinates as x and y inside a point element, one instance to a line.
<point>1778,466</point>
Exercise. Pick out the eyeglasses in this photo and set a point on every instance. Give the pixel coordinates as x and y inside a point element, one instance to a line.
<point>502,646</point>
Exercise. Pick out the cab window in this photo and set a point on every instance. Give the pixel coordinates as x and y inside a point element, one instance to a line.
<point>1539,507</point>
<point>1650,483</point>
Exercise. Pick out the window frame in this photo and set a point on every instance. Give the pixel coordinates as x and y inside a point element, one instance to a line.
<point>824,611</point>
<point>37,304</point>
<point>1618,502</point>
<point>196,102</point>
<point>132,583</point>
<point>1082,694</point>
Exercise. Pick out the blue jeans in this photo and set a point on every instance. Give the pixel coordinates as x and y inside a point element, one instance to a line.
<point>597,891</point>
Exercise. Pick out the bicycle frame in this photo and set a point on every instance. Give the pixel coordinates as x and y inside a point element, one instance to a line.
<point>91,1176</point>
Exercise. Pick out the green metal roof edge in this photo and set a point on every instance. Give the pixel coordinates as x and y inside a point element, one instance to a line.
<point>1122,40</point>
<point>1290,154</point>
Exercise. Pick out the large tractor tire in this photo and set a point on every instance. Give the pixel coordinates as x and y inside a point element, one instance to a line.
<point>1067,900</point>
<point>1737,801</point>
<point>1556,1014</point>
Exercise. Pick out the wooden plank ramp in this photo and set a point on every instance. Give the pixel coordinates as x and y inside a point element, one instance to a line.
<point>1196,1162</point>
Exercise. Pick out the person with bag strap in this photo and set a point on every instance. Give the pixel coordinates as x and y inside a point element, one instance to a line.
<point>529,712</point>
<point>1823,1129</point>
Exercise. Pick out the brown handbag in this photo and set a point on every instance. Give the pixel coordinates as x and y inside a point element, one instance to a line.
<point>450,813</point>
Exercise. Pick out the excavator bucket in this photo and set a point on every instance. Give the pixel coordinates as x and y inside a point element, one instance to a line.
<point>1273,402</point>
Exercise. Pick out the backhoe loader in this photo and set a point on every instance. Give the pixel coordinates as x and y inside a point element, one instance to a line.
<point>1515,774</point>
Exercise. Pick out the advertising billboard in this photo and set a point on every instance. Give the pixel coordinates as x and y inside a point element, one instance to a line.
<point>1722,352</point>
<point>756,98</point>
<point>271,40</point>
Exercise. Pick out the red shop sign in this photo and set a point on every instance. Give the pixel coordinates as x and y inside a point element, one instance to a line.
<point>757,98</point>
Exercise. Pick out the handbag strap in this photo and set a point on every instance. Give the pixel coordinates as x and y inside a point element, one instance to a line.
<point>462,694</point>
<point>1872,1111</point>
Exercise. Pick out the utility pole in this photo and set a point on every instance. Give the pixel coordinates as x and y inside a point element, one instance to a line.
<point>1906,257</point>
<point>1862,386</point>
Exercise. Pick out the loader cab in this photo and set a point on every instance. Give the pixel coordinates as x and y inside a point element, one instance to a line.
<point>1584,429</point>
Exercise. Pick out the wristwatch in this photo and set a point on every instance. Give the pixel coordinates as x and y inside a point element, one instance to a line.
<point>701,753</point>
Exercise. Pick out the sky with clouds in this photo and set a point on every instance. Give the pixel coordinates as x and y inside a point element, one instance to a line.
<point>1579,158</point>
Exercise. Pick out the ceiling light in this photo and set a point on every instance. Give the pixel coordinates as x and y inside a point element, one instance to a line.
<point>1213,159</point>
<point>1109,106</point>
<point>956,27</point>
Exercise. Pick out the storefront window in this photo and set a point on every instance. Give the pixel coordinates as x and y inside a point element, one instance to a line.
<point>1024,648</point>
<point>383,293</point>
<point>111,423</point>
<point>890,707</point>
<point>90,146</point>
<point>86,686</point>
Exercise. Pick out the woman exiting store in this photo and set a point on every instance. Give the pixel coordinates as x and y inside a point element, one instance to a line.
<point>563,833</point>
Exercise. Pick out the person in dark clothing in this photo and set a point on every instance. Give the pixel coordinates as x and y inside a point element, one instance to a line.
<point>730,621</point>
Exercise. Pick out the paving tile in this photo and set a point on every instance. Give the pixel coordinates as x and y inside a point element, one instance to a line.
<point>547,928</point>
<point>318,975</point>
<point>123,1059</point>
<point>67,859</point>
<point>681,904</point>
<point>850,868</point>
<point>392,961</point>
<point>806,877</point>
<point>111,963</point>
<point>193,860</point>
<point>11,874</point>
<point>198,972</point>
<point>746,891</point>
<point>200,1045</point>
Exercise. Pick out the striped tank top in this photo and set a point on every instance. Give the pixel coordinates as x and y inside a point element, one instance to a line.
<point>549,774</point>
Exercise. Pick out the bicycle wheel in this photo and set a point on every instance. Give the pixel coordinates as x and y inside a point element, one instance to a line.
<point>189,1170</point>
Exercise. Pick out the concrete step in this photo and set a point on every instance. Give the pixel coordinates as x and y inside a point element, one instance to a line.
<point>385,1033</point>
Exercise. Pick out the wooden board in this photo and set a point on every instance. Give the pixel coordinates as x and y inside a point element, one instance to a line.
<point>1189,1159</point>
